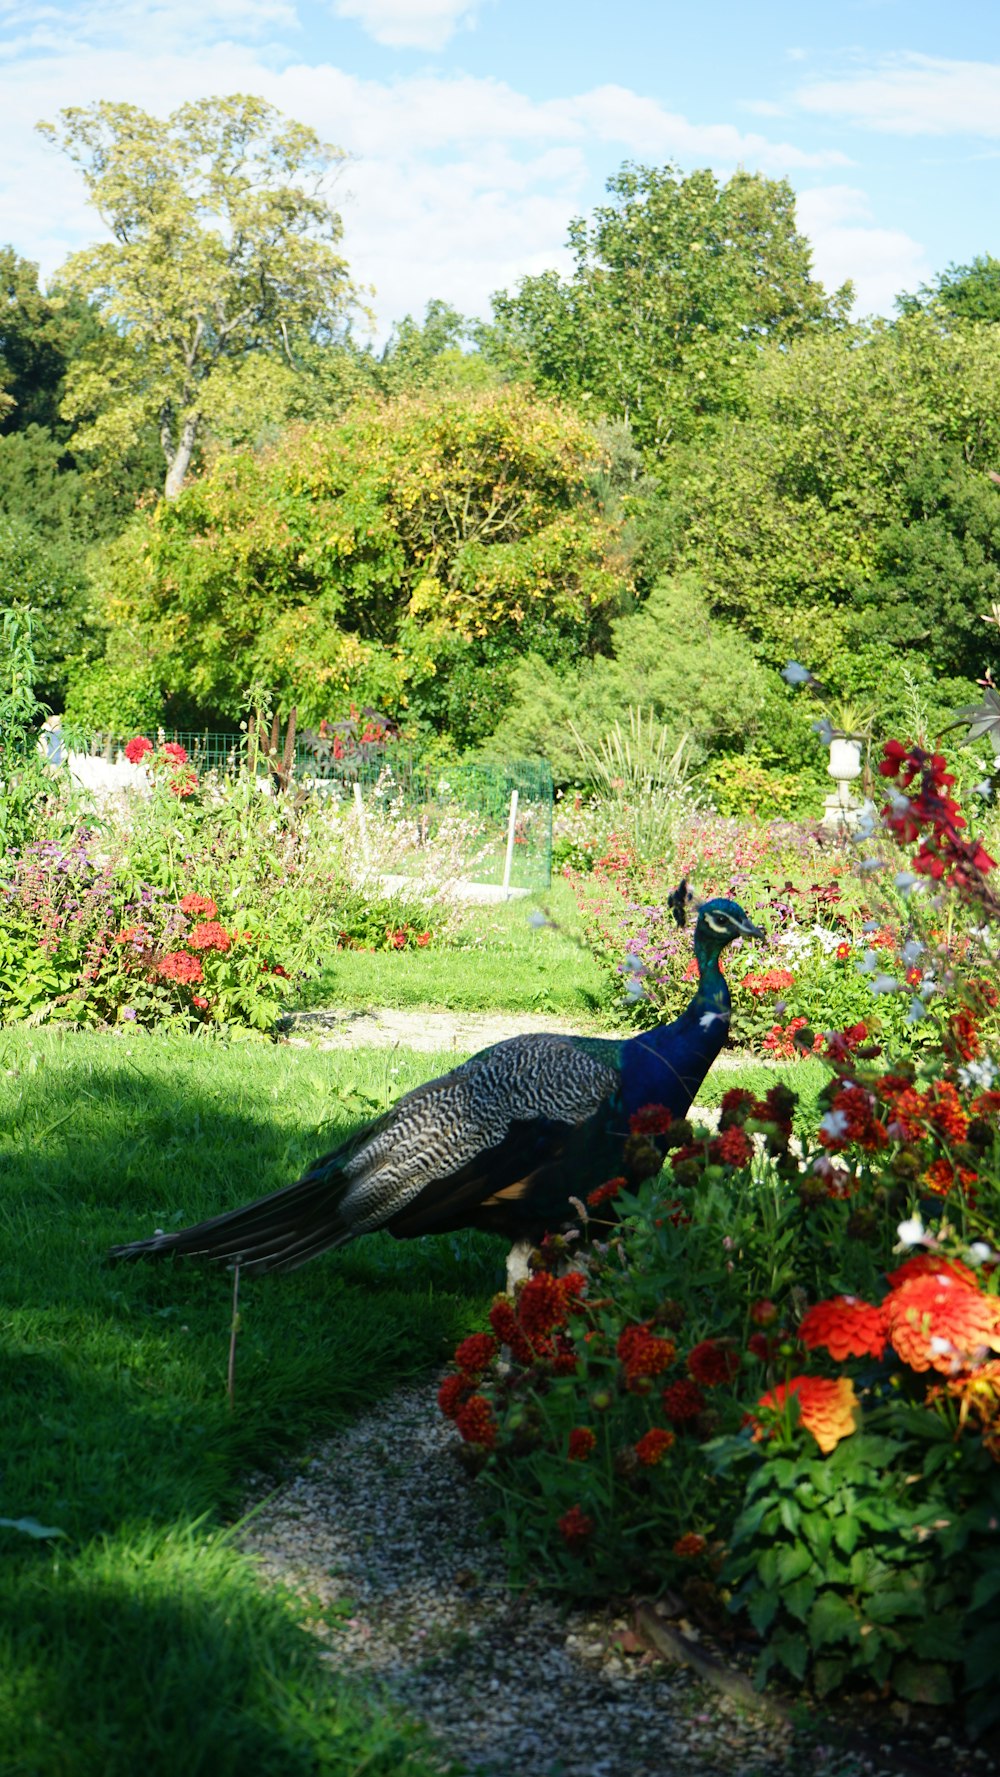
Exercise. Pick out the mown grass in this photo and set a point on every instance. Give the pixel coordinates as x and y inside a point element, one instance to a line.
<point>139,1640</point>
<point>495,960</point>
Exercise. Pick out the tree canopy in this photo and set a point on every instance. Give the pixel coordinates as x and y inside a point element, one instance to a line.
<point>222,258</point>
<point>676,283</point>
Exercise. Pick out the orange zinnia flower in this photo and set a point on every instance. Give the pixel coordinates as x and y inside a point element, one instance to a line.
<point>936,1322</point>
<point>828,1409</point>
<point>653,1446</point>
<point>845,1327</point>
<point>922,1264</point>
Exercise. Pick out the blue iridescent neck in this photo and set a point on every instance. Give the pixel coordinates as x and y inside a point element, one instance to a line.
<point>712,987</point>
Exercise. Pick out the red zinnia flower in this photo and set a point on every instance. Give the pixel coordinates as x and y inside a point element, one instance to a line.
<point>653,1446</point>
<point>682,1401</point>
<point>845,1327</point>
<point>575,1528</point>
<point>828,1409</point>
<point>541,1304</point>
<point>137,749</point>
<point>711,1363</point>
<point>842,952</point>
<point>928,1265</point>
<point>506,1326</point>
<point>172,749</point>
<point>581,1443</point>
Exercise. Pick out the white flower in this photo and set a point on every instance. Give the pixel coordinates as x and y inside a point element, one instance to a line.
<point>980,1252</point>
<point>707,1019</point>
<point>886,984</point>
<point>794,674</point>
<point>834,1124</point>
<point>917,1011</point>
<point>980,1073</point>
<point>983,789</point>
<point>911,1233</point>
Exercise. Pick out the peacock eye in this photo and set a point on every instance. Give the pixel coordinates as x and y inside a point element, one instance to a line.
<point>721,927</point>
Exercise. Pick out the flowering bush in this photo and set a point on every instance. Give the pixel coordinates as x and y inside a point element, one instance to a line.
<point>777,1385</point>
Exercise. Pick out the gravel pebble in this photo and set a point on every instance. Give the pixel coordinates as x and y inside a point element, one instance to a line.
<point>380,1536</point>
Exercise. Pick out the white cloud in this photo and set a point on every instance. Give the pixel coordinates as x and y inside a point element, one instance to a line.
<point>409,24</point>
<point>913,95</point>
<point>881,262</point>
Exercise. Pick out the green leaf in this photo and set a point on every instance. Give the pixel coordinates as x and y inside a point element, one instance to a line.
<point>790,1515</point>
<point>793,1561</point>
<point>923,1681</point>
<point>828,1672</point>
<point>797,1597</point>
<point>762,1609</point>
<point>793,1652</point>
<point>846,1531</point>
<point>986,1587</point>
<point>832,1619</point>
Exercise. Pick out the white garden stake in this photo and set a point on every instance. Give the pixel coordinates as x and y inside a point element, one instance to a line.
<point>360,806</point>
<point>509,859</point>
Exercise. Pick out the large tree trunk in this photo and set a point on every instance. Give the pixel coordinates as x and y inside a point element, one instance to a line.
<point>179,464</point>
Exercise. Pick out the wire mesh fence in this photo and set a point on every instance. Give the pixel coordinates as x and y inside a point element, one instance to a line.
<point>492,822</point>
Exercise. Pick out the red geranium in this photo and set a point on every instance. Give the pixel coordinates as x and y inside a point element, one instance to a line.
<point>209,936</point>
<point>475,1422</point>
<point>178,965</point>
<point>581,1443</point>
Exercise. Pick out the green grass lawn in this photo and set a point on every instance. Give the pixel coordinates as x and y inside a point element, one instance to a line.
<point>139,1640</point>
<point>495,961</point>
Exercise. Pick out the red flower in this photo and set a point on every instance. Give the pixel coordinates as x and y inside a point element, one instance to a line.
<point>177,965</point>
<point>734,1147</point>
<point>689,1546</point>
<point>476,1353</point>
<point>172,749</point>
<point>928,1265</point>
<point>643,1354</point>
<point>653,1446</point>
<point>651,1119</point>
<point>541,1304</point>
<point>842,952</point>
<point>507,1328</point>
<point>605,1192</point>
<point>769,981</point>
<point>826,1408</point>
<point>137,749</point>
<point>937,1322</point>
<point>422,938</point>
<point>711,1363</point>
<point>202,1004</point>
<point>763,1313</point>
<point>575,1528</point>
<point>453,1391</point>
<point>209,936</point>
<point>397,939</point>
<point>199,906</point>
<point>760,1346</point>
<point>475,1422</point>
<point>682,1401</point>
<point>581,1443</point>
<point>845,1327</point>
<point>735,1106</point>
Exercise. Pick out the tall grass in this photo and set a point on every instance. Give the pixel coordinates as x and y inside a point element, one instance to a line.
<point>643,782</point>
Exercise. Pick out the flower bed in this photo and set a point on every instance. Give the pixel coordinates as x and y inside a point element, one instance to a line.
<point>776,1387</point>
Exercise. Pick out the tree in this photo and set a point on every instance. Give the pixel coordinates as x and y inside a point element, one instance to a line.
<point>677,283</point>
<point>223,258</point>
<point>960,292</point>
<point>405,557</point>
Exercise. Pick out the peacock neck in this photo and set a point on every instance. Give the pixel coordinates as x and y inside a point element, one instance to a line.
<point>712,989</point>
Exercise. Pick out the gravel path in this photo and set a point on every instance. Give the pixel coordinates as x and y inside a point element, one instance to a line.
<point>381,1538</point>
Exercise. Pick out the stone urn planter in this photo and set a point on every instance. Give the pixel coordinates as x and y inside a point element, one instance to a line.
<point>841,810</point>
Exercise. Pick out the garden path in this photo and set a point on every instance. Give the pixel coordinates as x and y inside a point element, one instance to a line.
<point>434,1032</point>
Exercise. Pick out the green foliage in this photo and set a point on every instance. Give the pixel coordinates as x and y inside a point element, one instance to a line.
<point>846,520</point>
<point>24,780</point>
<point>676,283</point>
<point>404,558</point>
<point>36,572</point>
<point>960,293</point>
<point>223,255</point>
<point>698,677</point>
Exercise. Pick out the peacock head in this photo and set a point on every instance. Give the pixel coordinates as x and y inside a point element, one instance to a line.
<point>719,923</point>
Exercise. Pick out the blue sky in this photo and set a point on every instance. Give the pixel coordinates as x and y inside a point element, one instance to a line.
<point>479,128</point>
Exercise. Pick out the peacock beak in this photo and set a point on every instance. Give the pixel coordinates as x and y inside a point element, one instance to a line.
<point>747,930</point>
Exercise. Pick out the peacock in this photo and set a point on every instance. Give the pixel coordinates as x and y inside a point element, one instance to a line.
<point>505,1142</point>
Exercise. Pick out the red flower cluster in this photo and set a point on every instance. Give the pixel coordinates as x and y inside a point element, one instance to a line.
<point>689,1546</point>
<point>453,1391</point>
<point>476,1353</point>
<point>644,1355</point>
<point>780,1041</point>
<point>733,1147</point>
<point>711,1363</point>
<point>581,1443</point>
<point>210,935</point>
<point>651,1119</point>
<point>652,1447</point>
<point>604,1193</point>
<point>198,906</point>
<point>179,965</point>
<point>575,1528</point>
<point>475,1422</point>
<point>845,1327</point>
<point>682,1402</point>
<point>931,815</point>
<point>768,981</point>
<point>854,1111</point>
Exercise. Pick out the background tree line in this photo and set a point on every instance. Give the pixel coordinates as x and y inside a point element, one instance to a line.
<point>653,480</point>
